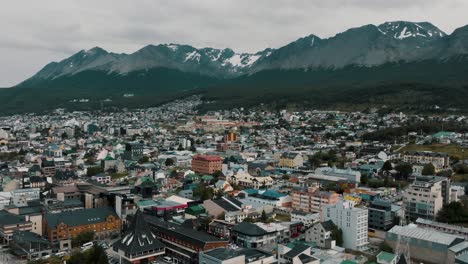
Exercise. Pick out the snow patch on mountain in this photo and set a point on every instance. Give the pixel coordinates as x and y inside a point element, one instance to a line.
<point>194,55</point>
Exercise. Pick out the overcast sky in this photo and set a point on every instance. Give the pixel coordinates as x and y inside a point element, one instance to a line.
<point>34,33</point>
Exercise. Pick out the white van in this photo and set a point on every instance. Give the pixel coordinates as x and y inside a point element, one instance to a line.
<point>87,246</point>
<point>168,259</point>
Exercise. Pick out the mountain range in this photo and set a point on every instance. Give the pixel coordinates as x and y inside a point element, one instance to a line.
<point>392,55</point>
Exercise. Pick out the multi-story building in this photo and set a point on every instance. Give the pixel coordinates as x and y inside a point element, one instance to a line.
<point>352,220</point>
<point>103,222</point>
<point>241,256</point>
<point>266,197</point>
<point>347,174</point>
<point>321,234</point>
<point>311,200</point>
<point>9,223</point>
<point>291,160</point>
<point>205,164</point>
<point>133,150</point>
<point>456,230</point>
<point>425,197</point>
<point>380,215</point>
<point>439,160</point>
<point>426,246</point>
<point>250,235</point>
<point>246,180</point>
<point>183,244</point>
<point>307,219</point>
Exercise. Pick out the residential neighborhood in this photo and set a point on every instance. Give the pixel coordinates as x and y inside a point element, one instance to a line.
<point>169,185</point>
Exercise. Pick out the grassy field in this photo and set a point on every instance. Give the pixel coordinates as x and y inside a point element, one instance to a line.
<point>452,150</point>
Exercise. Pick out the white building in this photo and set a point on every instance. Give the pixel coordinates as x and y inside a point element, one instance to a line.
<point>347,174</point>
<point>20,197</point>
<point>352,221</point>
<point>308,219</point>
<point>426,196</point>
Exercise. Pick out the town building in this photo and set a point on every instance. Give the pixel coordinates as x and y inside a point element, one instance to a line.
<point>380,215</point>
<point>204,164</point>
<point>321,234</point>
<point>244,179</point>
<point>439,160</point>
<point>30,246</point>
<point>298,254</point>
<point>311,200</point>
<point>425,197</point>
<point>427,246</point>
<point>250,235</point>
<point>307,219</point>
<point>239,256</point>
<point>9,223</point>
<point>266,197</point>
<point>104,222</point>
<point>352,220</point>
<point>183,244</point>
<point>138,244</point>
<point>290,160</point>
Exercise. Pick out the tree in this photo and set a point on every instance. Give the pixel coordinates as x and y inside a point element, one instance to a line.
<point>94,255</point>
<point>82,238</point>
<point>264,216</point>
<point>180,148</point>
<point>453,212</point>
<point>143,159</point>
<point>428,169</point>
<point>204,192</point>
<point>337,235</point>
<point>404,170</point>
<point>169,162</point>
<point>248,220</point>
<point>387,166</point>
<point>192,148</point>
<point>91,171</point>
<point>364,179</point>
<point>385,247</point>
<point>285,177</point>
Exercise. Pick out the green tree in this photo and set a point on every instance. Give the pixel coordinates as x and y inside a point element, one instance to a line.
<point>364,179</point>
<point>453,212</point>
<point>94,255</point>
<point>264,216</point>
<point>337,235</point>
<point>143,159</point>
<point>404,170</point>
<point>285,177</point>
<point>387,166</point>
<point>169,162</point>
<point>248,220</point>
<point>82,238</point>
<point>428,169</point>
<point>91,171</point>
<point>385,247</point>
<point>204,192</point>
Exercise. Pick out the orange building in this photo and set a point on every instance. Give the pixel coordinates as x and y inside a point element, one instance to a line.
<point>204,164</point>
<point>230,137</point>
<point>104,222</point>
<point>312,199</point>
